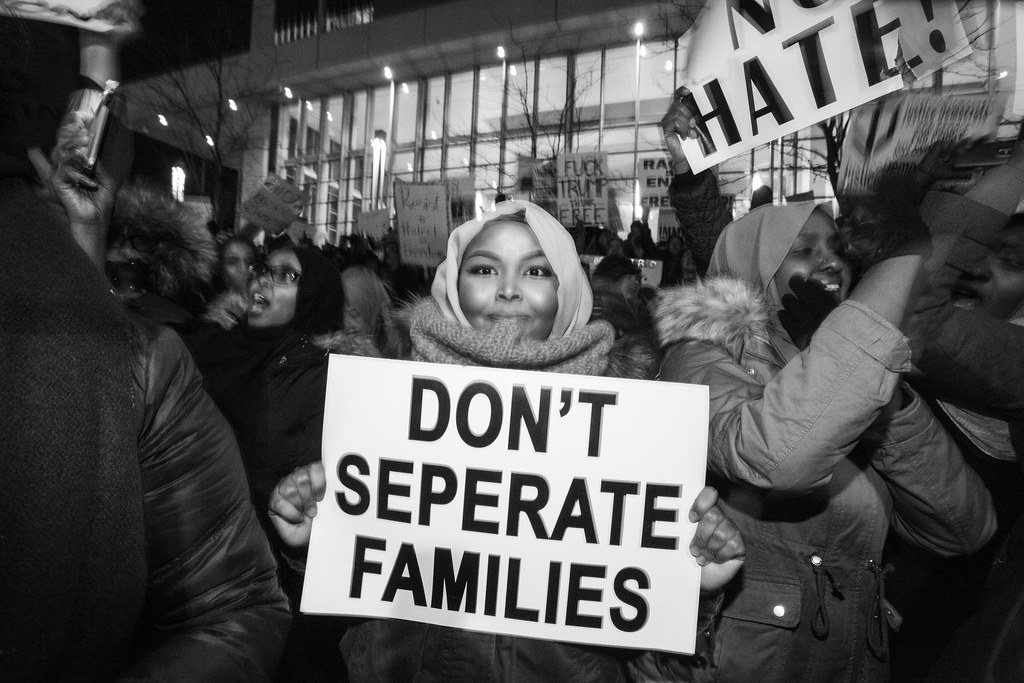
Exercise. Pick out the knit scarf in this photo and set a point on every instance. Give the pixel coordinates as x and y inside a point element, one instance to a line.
<point>436,339</point>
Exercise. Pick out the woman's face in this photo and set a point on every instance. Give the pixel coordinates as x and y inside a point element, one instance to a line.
<point>998,287</point>
<point>505,276</point>
<point>234,266</point>
<point>817,254</point>
<point>272,304</point>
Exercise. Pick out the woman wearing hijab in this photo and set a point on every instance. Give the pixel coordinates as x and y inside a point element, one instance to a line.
<point>816,443</point>
<point>510,294</point>
<point>268,375</point>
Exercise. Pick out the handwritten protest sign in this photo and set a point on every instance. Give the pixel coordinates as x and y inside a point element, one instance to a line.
<point>275,204</point>
<point>375,222</point>
<point>423,221</point>
<point>532,504</point>
<point>100,16</point>
<point>759,70</point>
<point>582,188</point>
<point>894,133</point>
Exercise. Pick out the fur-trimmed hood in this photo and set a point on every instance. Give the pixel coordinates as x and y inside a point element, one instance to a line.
<point>722,310</point>
<point>347,343</point>
<point>185,255</point>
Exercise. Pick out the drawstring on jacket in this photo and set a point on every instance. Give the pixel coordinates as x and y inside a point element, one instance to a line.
<point>823,578</point>
<point>878,624</point>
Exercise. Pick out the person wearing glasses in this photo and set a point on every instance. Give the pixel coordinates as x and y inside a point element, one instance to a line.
<point>161,259</point>
<point>268,375</point>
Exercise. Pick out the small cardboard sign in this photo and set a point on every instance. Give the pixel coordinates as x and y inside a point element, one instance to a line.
<point>423,220</point>
<point>274,205</point>
<point>507,501</point>
<point>582,188</point>
<point>893,134</point>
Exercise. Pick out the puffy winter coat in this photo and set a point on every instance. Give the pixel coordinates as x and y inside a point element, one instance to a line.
<point>812,480</point>
<point>214,609</point>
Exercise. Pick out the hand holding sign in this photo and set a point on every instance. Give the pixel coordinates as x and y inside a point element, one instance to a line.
<point>293,503</point>
<point>717,543</point>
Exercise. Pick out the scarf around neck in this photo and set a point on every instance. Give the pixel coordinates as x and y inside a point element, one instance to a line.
<point>437,339</point>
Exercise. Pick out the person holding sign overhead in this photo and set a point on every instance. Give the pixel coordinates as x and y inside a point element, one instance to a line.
<point>510,294</point>
<point>818,444</point>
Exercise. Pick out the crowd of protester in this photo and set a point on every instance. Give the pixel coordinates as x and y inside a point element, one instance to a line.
<point>165,404</point>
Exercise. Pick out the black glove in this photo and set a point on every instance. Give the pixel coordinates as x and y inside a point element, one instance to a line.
<point>804,309</point>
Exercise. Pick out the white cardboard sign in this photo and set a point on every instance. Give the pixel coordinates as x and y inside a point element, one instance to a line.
<point>531,504</point>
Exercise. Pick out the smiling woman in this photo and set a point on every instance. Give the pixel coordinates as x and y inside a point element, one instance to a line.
<point>505,276</point>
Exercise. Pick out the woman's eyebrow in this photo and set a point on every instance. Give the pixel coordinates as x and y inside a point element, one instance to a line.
<point>481,253</point>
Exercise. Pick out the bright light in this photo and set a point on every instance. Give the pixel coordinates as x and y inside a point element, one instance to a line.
<point>512,70</point>
<point>668,65</point>
<point>1004,74</point>
<point>162,119</point>
<point>178,183</point>
<point>405,88</point>
<point>209,141</point>
<point>756,181</point>
<point>643,50</point>
<point>409,166</point>
<point>232,105</point>
<point>494,185</point>
<point>330,117</point>
<point>387,73</point>
<point>287,92</point>
<point>501,52</point>
<point>433,135</point>
<point>309,106</point>
<point>465,161</point>
<point>638,29</point>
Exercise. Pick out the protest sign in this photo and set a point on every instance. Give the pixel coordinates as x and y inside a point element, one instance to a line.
<point>759,70</point>
<point>274,205</point>
<point>99,16</point>
<point>893,134</point>
<point>582,188</point>
<point>655,178</point>
<point>422,221</point>
<point>543,505</point>
<point>375,222</point>
<point>650,269</point>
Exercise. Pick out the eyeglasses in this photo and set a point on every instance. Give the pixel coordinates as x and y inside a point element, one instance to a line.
<point>281,275</point>
<point>140,243</point>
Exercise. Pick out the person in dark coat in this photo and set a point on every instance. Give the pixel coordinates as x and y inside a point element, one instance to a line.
<point>130,550</point>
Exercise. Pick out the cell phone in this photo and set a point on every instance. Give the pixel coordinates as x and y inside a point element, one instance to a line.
<point>98,128</point>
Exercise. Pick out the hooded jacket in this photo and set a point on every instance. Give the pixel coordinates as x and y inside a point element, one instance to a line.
<point>809,473</point>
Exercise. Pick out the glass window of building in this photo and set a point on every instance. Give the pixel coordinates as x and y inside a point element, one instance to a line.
<point>311,124</point>
<point>656,80</point>
<point>359,139</point>
<point>458,161</point>
<point>488,173</point>
<point>520,96</point>
<point>588,86</point>
<point>551,80</point>
<point>333,121</point>
<point>434,129</point>
<point>488,116</point>
<point>407,97</point>
<point>460,108</point>
<point>381,108</point>
<point>620,85</point>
